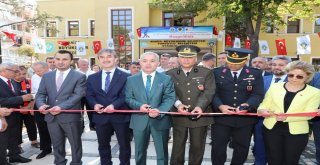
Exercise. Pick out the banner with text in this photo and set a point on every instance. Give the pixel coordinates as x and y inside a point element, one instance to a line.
<point>176,33</point>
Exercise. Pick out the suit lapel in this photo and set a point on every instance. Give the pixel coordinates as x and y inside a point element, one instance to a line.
<point>98,82</point>
<point>115,78</point>
<point>140,85</point>
<point>5,86</point>
<point>66,80</point>
<point>228,76</point>
<point>155,83</point>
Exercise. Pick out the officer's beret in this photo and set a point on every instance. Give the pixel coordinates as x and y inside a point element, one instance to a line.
<point>237,55</point>
<point>187,50</point>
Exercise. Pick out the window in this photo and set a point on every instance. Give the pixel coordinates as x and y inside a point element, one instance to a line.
<point>19,27</point>
<point>293,26</point>
<point>170,19</point>
<point>121,25</point>
<point>317,24</point>
<point>92,27</point>
<point>51,29</point>
<point>269,27</point>
<point>73,28</point>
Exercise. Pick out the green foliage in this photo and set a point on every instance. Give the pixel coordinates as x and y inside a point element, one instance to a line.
<point>26,50</point>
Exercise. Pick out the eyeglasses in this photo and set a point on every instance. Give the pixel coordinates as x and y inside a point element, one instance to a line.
<point>15,71</point>
<point>297,76</point>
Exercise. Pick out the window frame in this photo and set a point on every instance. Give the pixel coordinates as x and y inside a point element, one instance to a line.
<point>299,25</point>
<point>172,20</point>
<point>69,30</point>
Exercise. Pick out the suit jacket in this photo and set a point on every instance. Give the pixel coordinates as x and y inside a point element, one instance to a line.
<point>115,96</point>
<point>9,99</point>
<point>195,90</point>
<point>247,89</point>
<point>162,97</point>
<point>69,95</point>
<point>267,82</point>
<point>306,100</point>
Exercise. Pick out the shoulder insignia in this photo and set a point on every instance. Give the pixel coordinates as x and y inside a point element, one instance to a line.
<point>247,71</point>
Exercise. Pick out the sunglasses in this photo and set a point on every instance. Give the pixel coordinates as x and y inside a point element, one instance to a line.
<point>297,76</point>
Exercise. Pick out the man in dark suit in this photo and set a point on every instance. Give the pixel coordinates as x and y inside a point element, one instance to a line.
<point>239,89</point>
<point>195,88</point>
<point>261,63</point>
<point>11,97</point>
<point>63,89</point>
<point>159,96</point>
<point>106,91</point>
<point>279,75</point>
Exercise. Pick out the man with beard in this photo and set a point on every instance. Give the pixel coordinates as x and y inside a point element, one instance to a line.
<point>278,65</point>
<point>261,63</point>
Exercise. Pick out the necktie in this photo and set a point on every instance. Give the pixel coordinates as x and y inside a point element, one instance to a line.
<point>148,85</point>
<point>10,85</point>
<point>235,77</point>
<point>107,83</point>
<point>59,80</point>
<point>277,79</point>
<point>187,74</point>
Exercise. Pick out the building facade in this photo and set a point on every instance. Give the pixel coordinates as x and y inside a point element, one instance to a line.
<point>99,20</point>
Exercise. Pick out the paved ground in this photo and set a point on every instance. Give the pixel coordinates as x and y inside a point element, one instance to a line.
<point>91,156</point>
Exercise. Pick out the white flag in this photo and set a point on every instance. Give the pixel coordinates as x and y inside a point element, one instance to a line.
<point>220,35</point>
<point>303,45</point>
<point>131,36</point>
<point>110,44</point>
<point>39,45</point>
<point>264,47</point>
<point>237,43</point>
<point>81,48</point>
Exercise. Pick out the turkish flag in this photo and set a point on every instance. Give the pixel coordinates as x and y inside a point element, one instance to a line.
<point>96,46</point>
<point>281,47</point>
<point>215,30</point>
<point>64,43</point>
<point>247,44</point>
<point>11,36</point>
<point>229,40</point>
<point>121,40</point>
<point>139,32</point>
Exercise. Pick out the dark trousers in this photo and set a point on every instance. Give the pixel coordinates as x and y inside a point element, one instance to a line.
<point>197,144</point>
<point>316,134</point>
<point>30,124</point>
<point>45,141</point>
<point>241,137</point>
<point>282,147</point>
<point>10,138</point>
<point>259,148</point>
<point>104,132</point>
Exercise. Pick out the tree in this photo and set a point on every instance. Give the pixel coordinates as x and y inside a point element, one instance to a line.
<point>251,14</point>
<point>39,20</point>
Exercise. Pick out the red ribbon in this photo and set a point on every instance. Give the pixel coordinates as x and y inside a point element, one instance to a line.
<point>301,114</point>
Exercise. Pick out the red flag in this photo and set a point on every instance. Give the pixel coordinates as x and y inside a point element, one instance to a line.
<point>11,36</point>
<point>319,34</point>
<point>96,46</point>
<point>64,43</point>
<point>121,40</point>
<point>139,32</point>
<point>247,44</point>
<point>229,40</point>
<point>215,30</point>
<point>281,47</point>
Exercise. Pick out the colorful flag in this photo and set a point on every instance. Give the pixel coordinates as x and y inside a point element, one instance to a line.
<point>64,43</point>
<point>281,47</point>
<point>121,40</point>
<point>237,43</point>
<point>110,44</point>
<point>303,45</point>
<point>96,46</point>
<point>11,36</point>
<point>229,40</point>
<point>264,47</point>
<point>247,44</point>
<point>220,35</point>
<point>39,45</point>
<point>81,48</point>
<point>139,32</point>
<point>215,30</point>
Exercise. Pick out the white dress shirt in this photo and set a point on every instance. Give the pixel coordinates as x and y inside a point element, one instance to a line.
<point>144,78</point>
<point>281,80</point>
<point>104,75</point>
<point>35,83</point>
<point>65,74</point>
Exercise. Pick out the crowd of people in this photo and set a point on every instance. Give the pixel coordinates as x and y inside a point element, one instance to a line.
<point>155,85</point>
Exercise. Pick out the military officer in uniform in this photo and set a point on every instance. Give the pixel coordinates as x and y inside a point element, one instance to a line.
<point>195,87</point>
<point>239,89</point>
